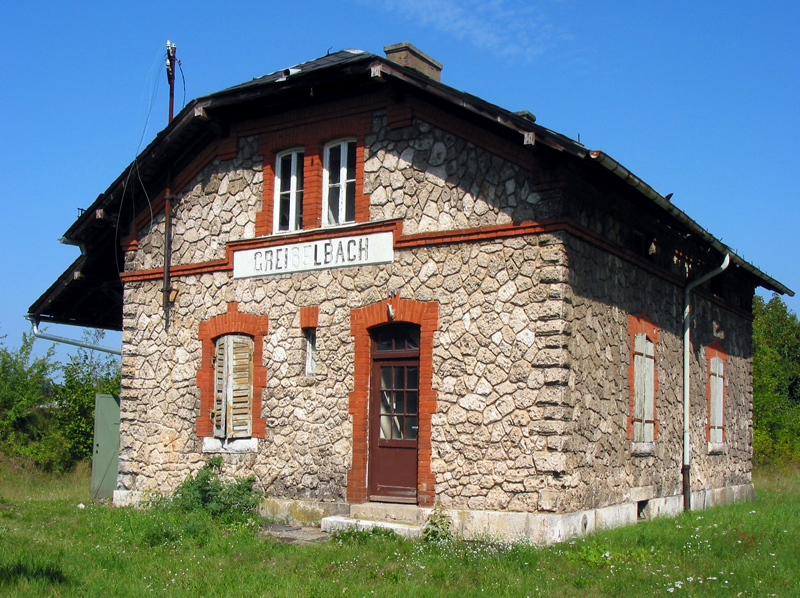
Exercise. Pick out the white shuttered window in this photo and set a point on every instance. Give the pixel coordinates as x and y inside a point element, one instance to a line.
<point>644,389</point>
<point>717,383</point>
<point>233,387</point>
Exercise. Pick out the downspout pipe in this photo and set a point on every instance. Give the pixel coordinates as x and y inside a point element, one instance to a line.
<point>687,447</point>
<point>68,341</point>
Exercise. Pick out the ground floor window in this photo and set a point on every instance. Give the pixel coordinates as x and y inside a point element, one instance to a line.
<point>233,386</point>
<point>715,392</point>
<point>643,389</point>
<point>643,384</point>
<point>311,350</point>
<point>231,379</point>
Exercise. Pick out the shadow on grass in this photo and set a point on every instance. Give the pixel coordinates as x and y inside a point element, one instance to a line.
<point>12,572</point>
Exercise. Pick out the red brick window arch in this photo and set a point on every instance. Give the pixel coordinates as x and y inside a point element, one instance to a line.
<point>233,349</point>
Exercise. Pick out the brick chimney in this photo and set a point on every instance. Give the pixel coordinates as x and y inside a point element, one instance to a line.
<point>408,55</point>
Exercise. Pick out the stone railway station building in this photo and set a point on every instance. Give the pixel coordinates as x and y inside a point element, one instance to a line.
<point>381,292</point>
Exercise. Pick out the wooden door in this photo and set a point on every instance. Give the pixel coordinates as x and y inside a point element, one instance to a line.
<point>394,413</point>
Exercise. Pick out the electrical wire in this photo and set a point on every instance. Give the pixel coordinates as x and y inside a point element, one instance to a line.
<point>161,56</point>
<point>183,104</point>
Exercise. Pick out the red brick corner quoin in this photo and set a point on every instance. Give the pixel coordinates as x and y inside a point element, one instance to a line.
<point>232,322</point>
<point>426,315</point>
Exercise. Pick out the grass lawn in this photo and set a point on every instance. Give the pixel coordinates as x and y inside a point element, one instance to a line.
<point>51,547</point>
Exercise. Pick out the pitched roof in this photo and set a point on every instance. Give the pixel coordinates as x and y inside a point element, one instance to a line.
<point>89,292</point>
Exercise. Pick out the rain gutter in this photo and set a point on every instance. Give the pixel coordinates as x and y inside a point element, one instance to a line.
<point>687,447</point>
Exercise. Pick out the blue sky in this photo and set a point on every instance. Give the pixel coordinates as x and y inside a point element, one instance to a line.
<point>701,100</point>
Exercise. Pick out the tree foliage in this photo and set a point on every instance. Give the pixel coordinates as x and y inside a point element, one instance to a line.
<point>25,386</point>
<point>47,408</point>
<point>776,381</point>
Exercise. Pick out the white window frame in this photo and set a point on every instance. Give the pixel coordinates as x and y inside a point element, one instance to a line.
<point>232,413</point>
<point>343,181</point>
<point>295,191</point>
<point>716,417</point>
<point>644,397</point>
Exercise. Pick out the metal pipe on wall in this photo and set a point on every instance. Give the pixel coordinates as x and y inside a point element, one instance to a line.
<point>69,341</point>
<point>687,447</point>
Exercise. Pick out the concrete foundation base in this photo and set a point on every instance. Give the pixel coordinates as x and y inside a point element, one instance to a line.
<point>302,512</point>
<point>537,528</point>
<point>128,498</point>
<point>506,526</point>
<point>721,496</point>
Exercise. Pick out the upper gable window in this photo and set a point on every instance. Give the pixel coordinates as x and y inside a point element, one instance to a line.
<point>289,191</point>
<point>339,183</point>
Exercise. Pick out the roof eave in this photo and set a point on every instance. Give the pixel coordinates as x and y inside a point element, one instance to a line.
<point>530,131</point>
<point>628,177</point>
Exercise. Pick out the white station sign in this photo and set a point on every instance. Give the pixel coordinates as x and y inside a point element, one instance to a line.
<point>340,252</point>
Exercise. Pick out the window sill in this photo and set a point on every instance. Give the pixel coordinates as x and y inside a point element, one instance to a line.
<point>234,447</point>
<point>717,448</point>
<point>643,449</point>
<point>339,224</point>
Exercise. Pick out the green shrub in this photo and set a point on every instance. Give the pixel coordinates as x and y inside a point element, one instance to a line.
<point>234,501</point>
<point>25,388</point>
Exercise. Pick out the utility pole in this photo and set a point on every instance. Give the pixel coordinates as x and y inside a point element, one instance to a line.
<point>167,289</point>
<point>171,76</point>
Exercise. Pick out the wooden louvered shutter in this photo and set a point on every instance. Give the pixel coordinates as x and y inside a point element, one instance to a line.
<point>220,389</point>
<point>644,389</point>
<point>240,386</point>
<point>717,383</point>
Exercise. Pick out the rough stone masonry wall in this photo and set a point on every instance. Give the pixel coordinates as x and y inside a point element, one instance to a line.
<point>219,205</point>
<point>437,181</point>
<point>501,367</point>
<point>500,361</point>
<point>606,290</point>
<point>499,364</point>
<point>530,366</point>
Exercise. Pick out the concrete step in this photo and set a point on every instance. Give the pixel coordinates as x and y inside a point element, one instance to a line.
<point>334,523</point>
<point>391,512</point>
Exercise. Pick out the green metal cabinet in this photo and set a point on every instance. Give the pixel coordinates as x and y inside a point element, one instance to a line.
<point>105,455</point>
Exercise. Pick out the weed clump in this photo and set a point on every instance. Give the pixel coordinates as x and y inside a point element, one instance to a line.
<point>438,527</point>
<point>230,502</point>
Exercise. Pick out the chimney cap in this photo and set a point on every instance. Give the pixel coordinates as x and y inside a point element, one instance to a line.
<point>407,54</point>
